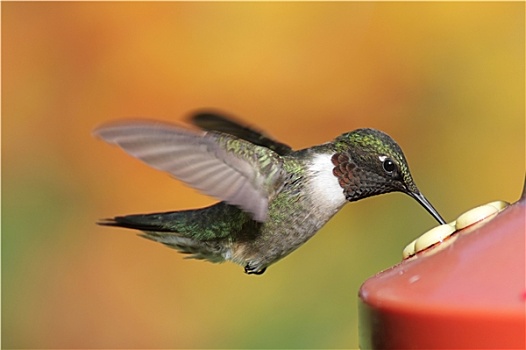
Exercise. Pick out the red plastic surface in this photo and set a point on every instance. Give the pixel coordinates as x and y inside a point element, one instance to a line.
<point>470,294</point>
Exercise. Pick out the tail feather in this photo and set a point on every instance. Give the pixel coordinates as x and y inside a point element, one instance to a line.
<point>197,250</point>
<point>203,233</point>
<point>160,222</point>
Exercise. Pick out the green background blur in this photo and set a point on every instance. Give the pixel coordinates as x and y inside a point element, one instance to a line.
<point>446,80</point>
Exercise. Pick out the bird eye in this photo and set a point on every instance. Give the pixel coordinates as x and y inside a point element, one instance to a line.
<point>388,165</point>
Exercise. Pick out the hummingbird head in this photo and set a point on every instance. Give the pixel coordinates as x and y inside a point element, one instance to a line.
<point>369,162</point>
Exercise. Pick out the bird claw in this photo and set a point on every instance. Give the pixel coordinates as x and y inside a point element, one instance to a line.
<point>253,270</point>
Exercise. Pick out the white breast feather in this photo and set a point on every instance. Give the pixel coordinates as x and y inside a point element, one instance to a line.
<point>324,187</point>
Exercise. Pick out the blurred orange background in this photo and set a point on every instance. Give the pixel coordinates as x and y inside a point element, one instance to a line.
<point>446,80</point>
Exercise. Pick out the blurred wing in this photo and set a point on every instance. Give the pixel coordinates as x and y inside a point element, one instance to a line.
<point>216,164</point>
<point>211,121</point>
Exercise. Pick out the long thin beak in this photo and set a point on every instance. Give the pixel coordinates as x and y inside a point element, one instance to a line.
<point>425,203</point>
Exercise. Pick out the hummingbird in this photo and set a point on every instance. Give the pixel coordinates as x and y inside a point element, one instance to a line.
<point>272,198</point>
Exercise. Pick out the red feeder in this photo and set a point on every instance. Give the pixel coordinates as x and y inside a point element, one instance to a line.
<point>470,294</point>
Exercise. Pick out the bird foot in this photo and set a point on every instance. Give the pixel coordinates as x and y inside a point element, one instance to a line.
<point>254,270</point>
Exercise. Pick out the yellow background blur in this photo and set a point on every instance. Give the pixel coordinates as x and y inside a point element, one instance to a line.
<point>446,80</point>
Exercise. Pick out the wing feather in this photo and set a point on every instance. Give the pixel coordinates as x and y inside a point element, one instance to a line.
<point>213,121</point>
<point>217,164</point>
